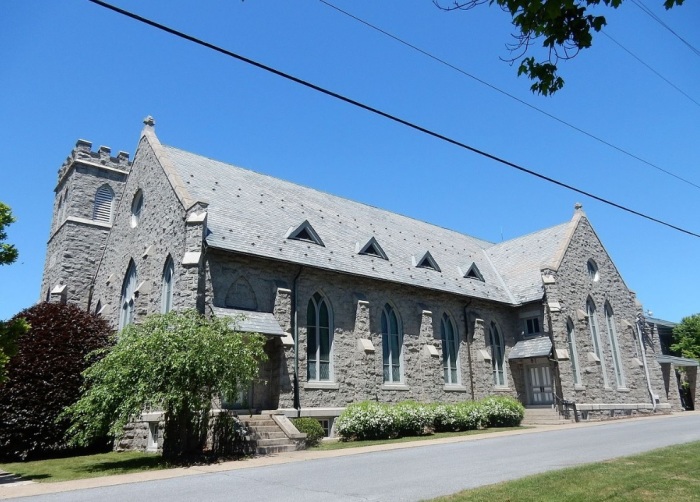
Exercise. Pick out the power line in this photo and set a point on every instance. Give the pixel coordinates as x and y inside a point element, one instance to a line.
<point>384,114</point>
<point>650,68</point>
<point>533,107</point>
<point>656,18</point>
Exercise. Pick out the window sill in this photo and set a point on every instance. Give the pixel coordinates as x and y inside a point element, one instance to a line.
<point>395,386</point>
<point>322,385</point>
<point>623,389</point>
<point>454,388</point>
<point>499,388</point>
<point>579,387</point>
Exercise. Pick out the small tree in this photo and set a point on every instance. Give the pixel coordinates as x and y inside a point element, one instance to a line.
<point>686,337</point>
<point>44,376</point>
<point>178,363</point>
<point>8,252</point>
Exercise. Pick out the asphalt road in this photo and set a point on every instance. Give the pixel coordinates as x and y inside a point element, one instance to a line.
<point>413,473</point>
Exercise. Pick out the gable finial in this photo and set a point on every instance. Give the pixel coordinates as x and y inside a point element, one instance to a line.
<point>149,124</point>
<point>578,206</point>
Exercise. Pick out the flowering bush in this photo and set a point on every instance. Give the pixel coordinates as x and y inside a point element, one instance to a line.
<point>366,420</point>
<point>371,420</point>
<point>502,411</point>
<point>412,419</point>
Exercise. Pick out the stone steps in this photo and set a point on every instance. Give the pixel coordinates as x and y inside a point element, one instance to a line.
<point>543,416</point>
<point>269,437</point>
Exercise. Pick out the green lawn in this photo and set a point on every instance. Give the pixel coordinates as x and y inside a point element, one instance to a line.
<point>341,445</point>
<point>87,466</point>
<point>667,474</point>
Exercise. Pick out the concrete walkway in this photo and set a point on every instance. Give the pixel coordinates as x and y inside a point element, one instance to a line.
<point>18,488</point>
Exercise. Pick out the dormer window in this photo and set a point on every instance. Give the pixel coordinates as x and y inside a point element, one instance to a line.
<point>474,273</point>
<point>372,248</point>
<point>593,270</point>
<point>532,326</point>
<point>305,232</point>
<point>427,261</point>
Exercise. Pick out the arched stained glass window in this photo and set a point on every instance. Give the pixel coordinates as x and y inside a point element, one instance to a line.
<point>166,296</point>
<point>497,356</point>
<point>319,339</point>
<point>126,316</point>
<point>614,346</point>
<point>571,339</point>
<point>392,343</point>
<point>450,350</point>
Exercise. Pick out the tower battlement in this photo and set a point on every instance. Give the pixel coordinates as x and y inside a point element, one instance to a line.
<point>103,156</point>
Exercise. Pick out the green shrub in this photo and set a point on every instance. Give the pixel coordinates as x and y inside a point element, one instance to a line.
<point>371,420</point>
<point>45,376</point>
<point>412,419</point>
<point>469,415</point>
<point>311,427</point>
<point>366,420</point>
<point>502,411</point>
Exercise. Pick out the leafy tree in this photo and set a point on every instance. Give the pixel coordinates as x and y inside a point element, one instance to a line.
<point>44,376</point>
<point>686,337</point>
<point>10,331</point>
<point>564,26</point>
<point>178,363</point>
<point>8,253</point>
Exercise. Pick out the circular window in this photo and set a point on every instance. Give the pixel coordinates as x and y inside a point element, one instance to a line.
<point>136,207</point>
<point>593,271</point>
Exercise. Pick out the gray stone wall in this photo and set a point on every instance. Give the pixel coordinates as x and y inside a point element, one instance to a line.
<point>76,240</point>
<point>161,232</point>
<point>567,295</point>
<point>356,305</point>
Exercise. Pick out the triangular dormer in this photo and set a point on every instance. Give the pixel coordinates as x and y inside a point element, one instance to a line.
<point>473,272</point>
<point>304,232</point>
<point>427,261</point>
<point>372,248</point>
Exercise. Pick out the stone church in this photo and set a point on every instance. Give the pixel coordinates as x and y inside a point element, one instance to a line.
<point>356,302</point>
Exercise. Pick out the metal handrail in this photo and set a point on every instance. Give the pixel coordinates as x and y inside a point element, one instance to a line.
<point>566,407</point>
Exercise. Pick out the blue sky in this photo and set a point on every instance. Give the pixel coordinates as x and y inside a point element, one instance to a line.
<point>74,70</point>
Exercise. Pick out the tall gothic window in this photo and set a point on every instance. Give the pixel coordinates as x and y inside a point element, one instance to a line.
<point>126,316</point>
<point>391,345</point>
<point>614,347</point>
<point>450,350</point>
<point>498,351</point>
<point>319,339</point>
<point>571,339</point>
<point>595,337</point>
<point>102,211</point>
<point>166,296</point>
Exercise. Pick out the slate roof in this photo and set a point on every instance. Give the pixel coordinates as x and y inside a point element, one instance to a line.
<point>535,347</point>
<point>251,213</point>
<point>519,260</point>
<point>251,322</point>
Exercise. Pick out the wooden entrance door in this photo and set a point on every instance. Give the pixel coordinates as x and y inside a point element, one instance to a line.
<point>540,384</point>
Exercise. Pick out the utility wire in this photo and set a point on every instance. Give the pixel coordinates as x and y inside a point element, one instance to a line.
<point>656,18</point>
<point>385,114</point>
<point>533,107</point>
<point>650,68</point>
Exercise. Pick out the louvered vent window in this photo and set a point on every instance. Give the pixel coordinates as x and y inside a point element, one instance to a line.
<point>103,204</point>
